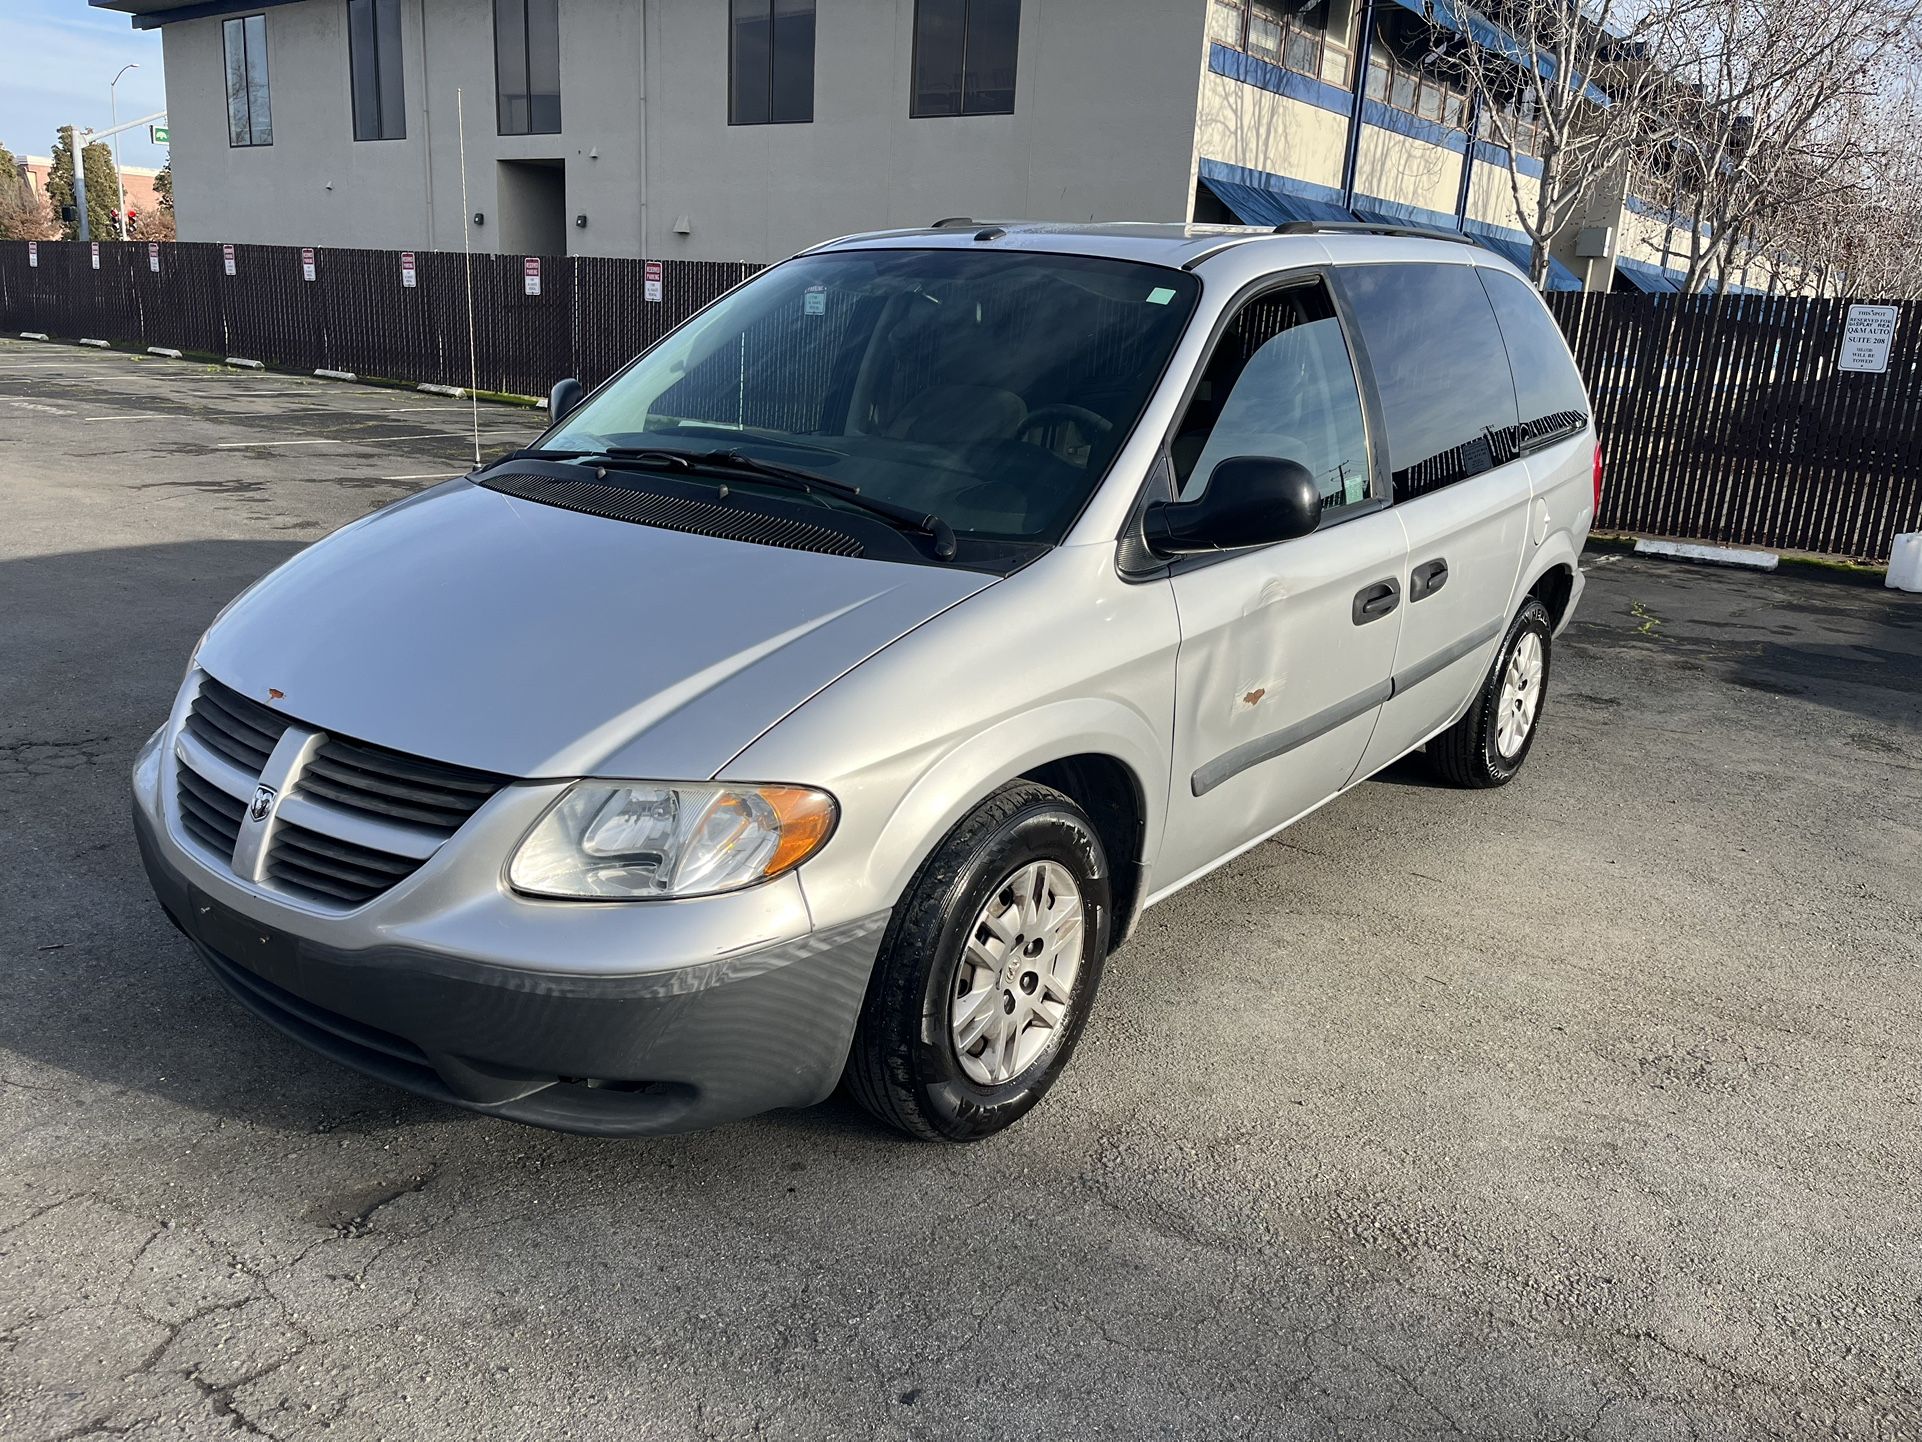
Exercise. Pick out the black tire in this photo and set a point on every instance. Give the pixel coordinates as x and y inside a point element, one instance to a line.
<point>1467,754</point>
<point>904,1066</point>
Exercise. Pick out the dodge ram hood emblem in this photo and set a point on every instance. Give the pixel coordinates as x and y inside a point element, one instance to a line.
<point>263,803</point>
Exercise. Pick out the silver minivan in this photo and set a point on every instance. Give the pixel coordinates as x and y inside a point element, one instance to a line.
<point>823,698</point>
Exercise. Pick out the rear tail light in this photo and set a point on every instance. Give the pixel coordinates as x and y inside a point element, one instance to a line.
<point>1598,478</point>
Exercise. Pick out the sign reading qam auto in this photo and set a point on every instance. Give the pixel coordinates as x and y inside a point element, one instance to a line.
<point>307,263</point>
<point>651,281</point>
<point>531,273</point>
<point>1867,337</point>
<point>407,270</point>
<point>153,256</point>
<point>227,258</point>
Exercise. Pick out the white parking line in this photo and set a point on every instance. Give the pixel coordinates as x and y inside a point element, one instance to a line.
<point>138,416</point>
<point>249,445</point>
<point>337,441</point>
<point>424,476</point>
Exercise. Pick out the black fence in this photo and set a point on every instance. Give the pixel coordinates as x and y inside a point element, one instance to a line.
<point>1723,419</point>
<point>1730,418</point>
<point>358,313</point>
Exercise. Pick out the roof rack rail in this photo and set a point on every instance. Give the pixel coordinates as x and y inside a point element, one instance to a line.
<point>952,220</point>
<point>1369,227</point>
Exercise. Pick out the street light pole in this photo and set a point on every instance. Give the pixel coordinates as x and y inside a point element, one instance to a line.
<point>113,113</point>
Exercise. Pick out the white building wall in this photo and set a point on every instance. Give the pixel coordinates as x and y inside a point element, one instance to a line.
<point>1103,129</point>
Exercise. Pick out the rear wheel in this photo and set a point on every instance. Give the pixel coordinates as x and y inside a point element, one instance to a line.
<point>987,970</point>
<point>1489,744</point>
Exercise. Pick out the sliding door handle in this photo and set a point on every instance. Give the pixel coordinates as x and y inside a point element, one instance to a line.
<point>1426,579</point>
<point>1376,600</point>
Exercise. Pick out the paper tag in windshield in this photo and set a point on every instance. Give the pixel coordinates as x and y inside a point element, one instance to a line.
<point>1160,295</point>
<point>814,300</point>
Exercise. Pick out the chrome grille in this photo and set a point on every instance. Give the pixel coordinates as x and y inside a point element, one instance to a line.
<point>242,730</point>
<point>347,819</point>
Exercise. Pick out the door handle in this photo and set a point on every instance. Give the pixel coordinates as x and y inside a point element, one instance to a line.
<point>1372,602</point>
<point>1426,579</point>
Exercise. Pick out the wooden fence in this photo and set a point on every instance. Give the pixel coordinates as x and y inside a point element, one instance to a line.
<point>1729,419</point>
<point>1723,419</point>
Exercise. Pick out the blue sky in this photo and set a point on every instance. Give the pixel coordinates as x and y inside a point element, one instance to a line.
<point>56,59</point>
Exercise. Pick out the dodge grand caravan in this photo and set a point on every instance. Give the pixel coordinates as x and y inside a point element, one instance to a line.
<point>827,694</point>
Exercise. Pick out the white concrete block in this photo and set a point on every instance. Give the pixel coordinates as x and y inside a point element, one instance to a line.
<point>1714,555</point>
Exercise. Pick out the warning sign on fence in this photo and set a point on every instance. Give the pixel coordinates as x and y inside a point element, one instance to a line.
<point>531,270</point>
<point>33,254</point>
<point>407,270</point>
<point>1867,336</point>
<point>153,256</point>
<point>307,263</point>
<point>227,258</point>
<point>96,255</point>
<point>651,280</point>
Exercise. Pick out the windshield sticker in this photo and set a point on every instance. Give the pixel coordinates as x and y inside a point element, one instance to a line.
<point>1160,295</point>
<point>814,300</point>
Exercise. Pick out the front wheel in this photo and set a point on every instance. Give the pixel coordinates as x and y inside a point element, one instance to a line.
<point>987,971</point>
<point>1489,744</point>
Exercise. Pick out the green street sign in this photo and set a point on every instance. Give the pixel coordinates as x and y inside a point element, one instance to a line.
<point>159,134</point>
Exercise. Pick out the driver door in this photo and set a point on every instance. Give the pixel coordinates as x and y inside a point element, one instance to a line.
<point>1286,649</point>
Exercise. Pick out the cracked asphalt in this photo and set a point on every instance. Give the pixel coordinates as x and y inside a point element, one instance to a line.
<point>1587,1108</point>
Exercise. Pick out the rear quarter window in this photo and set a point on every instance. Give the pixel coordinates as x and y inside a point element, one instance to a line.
<point>1548,387</point>
<point>1447,397</point>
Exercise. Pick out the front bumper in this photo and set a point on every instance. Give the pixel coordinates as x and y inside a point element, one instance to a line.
<point>655,1049</point>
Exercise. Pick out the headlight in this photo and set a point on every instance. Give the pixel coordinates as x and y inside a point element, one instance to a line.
<point>632,840</point>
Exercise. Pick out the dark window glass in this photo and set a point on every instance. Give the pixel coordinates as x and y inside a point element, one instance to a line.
<point>770,62</point>
<point>527,66</point>
<point>250,116</point>
<point>374,66</point>
<point>1280,383</point>
<point>965,54</point>
<point>1446,395</point>
<point>1548,388</point>
<point>992,389</point>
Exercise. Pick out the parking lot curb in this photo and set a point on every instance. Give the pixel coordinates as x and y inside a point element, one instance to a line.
<point>439,390</point>
<point>327,375</point>
<point>168,351</point>
<point>33,335</point>
<point>96,344</point>
<point>245,364</point>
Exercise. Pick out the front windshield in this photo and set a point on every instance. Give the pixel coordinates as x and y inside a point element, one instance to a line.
<point>991,389</point>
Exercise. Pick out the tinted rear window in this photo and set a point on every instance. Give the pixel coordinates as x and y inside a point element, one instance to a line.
<point>1448,399</point>
<point>1548,388</point>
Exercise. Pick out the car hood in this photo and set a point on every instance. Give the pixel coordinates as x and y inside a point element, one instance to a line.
<point>486,631</point>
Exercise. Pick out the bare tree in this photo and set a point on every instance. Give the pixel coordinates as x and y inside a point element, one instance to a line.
<point>1777,117</point>
<point>1580,89</point>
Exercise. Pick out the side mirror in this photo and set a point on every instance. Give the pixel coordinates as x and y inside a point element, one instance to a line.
<point>1249,501</point>
<point>566,396</point>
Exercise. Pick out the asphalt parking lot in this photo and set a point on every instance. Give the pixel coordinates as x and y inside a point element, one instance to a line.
<point>1587,1108</point>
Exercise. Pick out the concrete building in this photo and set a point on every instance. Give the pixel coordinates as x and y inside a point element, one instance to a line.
<point>748,129</point>
<point>138,180</point>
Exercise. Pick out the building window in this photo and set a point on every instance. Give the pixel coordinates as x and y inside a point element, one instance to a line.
<point>964,56</point>
<point>373,62</point>
<point>770,62</point>
<point>1402,76</point>
<point>250,111</point>
<point>527,66</point>
<point>1310,39</point>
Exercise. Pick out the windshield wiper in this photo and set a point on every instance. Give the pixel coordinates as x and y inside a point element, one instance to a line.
<point>793,478</point>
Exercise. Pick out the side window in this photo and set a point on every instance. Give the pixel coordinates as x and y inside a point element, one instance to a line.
<point>1447,399</point>
<point>374,67</point>
<point>1548,388</point>
<point>1280,383</point>
<point>250,113</point>
<point>771,62</point>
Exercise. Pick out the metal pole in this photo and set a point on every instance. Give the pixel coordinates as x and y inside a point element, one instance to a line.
<point>113,117</point>
<point>1468,159</point>
<point>1351,154</point>
<point>80,182</point>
